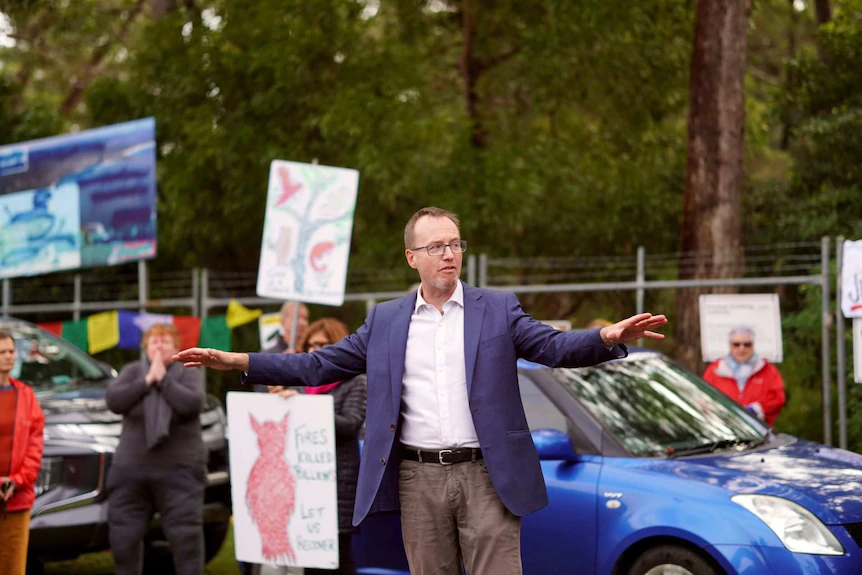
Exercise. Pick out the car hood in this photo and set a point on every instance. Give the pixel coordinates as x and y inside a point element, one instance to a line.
<point>76,404</point>
<point>825,480</point>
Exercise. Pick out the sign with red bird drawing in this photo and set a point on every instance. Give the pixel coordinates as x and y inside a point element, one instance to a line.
<point>282,469</point>
<point>306,232</point>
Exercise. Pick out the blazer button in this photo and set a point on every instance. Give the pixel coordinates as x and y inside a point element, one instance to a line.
<point>392,427</point>
<point>383,460</point>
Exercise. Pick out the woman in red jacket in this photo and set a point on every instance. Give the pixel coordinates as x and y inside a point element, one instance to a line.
<point>21,424</point>
<point>747,378</point>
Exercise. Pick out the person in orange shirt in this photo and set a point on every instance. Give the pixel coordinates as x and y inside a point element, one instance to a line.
<point>21,425</point>
<point>747,378</point>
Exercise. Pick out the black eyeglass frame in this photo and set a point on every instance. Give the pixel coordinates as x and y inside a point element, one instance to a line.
<point>462,247</point>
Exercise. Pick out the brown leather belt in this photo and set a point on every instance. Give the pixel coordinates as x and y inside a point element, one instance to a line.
<point>442,456</point>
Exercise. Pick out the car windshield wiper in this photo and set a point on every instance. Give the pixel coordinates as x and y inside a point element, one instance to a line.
<point>750,443</point>
<point>703,448</point>
<point>762,440</point>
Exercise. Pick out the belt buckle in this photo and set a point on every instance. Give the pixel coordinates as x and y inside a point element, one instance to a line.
<point>440,457</point>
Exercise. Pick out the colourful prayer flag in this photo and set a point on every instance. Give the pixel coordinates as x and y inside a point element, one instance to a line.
<point>238,314</point>
<point>215,333</point>
<point>75,332</point>
<point>103,331</point>
<point>53,327</point>
<point>190,330</point>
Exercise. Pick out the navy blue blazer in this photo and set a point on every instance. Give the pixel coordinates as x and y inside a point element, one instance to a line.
<point>496,333</point>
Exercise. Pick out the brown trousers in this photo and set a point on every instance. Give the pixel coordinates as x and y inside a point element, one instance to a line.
<point>14,538</point>
<point>451,514</point>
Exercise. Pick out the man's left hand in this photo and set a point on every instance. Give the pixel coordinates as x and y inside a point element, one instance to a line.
<point>633,328</point>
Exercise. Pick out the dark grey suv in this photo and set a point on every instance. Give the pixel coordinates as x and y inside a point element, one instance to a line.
<point>71,510</point>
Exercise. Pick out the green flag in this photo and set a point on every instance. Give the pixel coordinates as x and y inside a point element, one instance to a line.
<point>75,332</point>
<point>215,333</point>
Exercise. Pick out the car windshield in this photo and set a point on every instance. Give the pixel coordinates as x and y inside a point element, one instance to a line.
<point>43,360</point>
<point>655,407</point>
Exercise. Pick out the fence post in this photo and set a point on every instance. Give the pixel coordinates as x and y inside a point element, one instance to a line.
<point>7,297</point>
<point>471,269</point>
<point>839,346</point>
<point>142,286</point>
<point>76,304</point>
<point>369,305</point>
<point>483,270</point>
<point>825,355</point>
<point>196,292</point>
<point>205,293</point>
<point>641,276</point>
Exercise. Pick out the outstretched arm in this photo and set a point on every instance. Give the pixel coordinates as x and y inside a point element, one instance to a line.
<point>337,362</point>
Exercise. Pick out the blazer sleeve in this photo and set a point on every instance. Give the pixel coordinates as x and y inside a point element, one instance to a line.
<point>349,419</point>
<point>543,344</point>
<point>127,389</point>
<point>339,362</point>
<point>29,469</point>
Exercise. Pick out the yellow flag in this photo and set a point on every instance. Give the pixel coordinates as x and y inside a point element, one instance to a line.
<point>238,314</point>
<point>103,331</point>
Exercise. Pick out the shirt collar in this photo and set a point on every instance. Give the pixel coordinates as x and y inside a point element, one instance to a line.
<point>456,297</point>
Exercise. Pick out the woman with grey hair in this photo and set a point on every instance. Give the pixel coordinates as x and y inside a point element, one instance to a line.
<point>747,378</point>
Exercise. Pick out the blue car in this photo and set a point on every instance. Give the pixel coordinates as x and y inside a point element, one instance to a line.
<point>652,471</point>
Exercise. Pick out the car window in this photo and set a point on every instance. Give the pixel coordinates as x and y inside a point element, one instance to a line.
<point>541,412</point>
<point>651,404</point>
<point>45,360</point>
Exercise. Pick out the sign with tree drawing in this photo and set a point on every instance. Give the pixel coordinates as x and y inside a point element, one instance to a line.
<point>282,469</point>
<point>306,233</point>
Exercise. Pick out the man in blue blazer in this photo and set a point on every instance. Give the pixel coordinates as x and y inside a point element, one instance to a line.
<point>447,441</point>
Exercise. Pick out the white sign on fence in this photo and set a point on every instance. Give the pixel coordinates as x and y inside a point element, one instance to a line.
<point>851,279</point>
<point>720,313</point>
<point>269,328</point>
<point>306,232</point>
<point>282,469</point>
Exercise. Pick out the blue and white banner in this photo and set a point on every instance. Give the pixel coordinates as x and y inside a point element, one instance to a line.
<point>78,200</point>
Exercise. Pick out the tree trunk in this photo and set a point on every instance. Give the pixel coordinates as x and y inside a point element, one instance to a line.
<point>471,70</point>
<point>711,227</point>
<point>823,10</point>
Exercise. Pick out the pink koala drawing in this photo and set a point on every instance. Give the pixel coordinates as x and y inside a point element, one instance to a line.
<point>270,494</point>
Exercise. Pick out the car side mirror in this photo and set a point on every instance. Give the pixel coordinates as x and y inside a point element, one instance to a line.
<point>553,444</point>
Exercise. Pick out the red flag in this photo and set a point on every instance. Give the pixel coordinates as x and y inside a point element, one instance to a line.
<point>53,327</point>
<point>190,330</point>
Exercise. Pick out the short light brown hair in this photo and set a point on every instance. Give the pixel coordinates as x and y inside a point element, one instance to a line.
<point>6,335</point>
<point>161,329</point>
<point>427,211</point>
<point>334,330</point>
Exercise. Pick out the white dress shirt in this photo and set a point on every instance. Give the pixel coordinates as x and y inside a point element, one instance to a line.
<point>434,404</point>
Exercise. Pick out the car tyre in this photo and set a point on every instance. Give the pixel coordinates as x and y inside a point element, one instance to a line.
<point>671,560</point>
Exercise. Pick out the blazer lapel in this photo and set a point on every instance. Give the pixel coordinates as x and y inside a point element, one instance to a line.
<point>398,347</point>
<point>474,312</point>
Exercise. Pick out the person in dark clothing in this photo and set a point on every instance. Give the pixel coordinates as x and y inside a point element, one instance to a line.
<point>160,463</point>
<point>349,401</point>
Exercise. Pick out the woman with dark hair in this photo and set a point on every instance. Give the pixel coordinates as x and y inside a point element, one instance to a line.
<point>160,463</point>
<point>349,399</point>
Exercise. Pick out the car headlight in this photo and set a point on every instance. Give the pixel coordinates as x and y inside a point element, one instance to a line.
<point>50,475</point>
<point>797,528</point>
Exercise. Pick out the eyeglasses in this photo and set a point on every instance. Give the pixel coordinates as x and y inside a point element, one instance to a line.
<point>457,247</point>
<point>741,343</point>
<point>312,345</point>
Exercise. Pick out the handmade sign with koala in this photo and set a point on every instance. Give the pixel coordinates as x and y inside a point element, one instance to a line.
<point>282,468</point>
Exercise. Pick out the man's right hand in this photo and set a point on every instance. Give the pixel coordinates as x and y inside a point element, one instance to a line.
<point>213,358</point>
<point>275,388</point>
